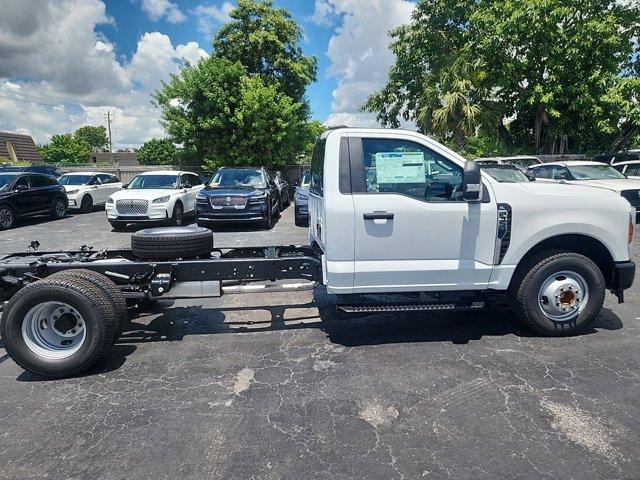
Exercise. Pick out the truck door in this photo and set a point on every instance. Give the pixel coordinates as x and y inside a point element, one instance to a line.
<point>413,230</point>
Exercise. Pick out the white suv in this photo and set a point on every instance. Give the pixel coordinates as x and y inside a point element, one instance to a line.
<point>161,196</point>
<point>88,189</point>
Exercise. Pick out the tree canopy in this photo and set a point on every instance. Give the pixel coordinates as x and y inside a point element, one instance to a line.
<point>540,75</point>
<point>65,149</point>
<point>245,103</point>
<point>94,137</point>
<point>158,151</point>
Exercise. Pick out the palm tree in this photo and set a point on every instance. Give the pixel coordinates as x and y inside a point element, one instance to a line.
<point>458,103</point>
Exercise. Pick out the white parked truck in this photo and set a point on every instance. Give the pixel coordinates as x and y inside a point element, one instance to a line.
<point>392,213</point>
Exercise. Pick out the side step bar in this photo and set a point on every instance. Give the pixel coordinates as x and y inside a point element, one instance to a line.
<point>411,307</point>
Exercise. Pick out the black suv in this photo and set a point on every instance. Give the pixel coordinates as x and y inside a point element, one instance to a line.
<point>27,194</point>
<point>246,194</point>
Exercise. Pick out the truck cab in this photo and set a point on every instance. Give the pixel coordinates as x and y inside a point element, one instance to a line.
<point>391,211</point>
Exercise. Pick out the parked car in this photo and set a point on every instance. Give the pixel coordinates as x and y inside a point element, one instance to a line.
<point>506,173</point>
<point>301,201</point>
<point>244,194</point>
<point>521,161</point>
<point>283,190</point>
<point>630,168</point>
<point>594,174</point>
<point>159,196</point>
<point>27,194</point>
<point>617,157</point>
<point>86,190</point>
<point>50,170</point>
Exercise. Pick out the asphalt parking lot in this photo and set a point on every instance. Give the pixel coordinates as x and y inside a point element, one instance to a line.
<point>280,386</point>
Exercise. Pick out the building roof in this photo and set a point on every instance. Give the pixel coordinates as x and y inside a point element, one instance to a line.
<point>23,145</point>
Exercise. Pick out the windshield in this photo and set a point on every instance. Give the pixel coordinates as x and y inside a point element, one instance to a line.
<point>238,177</point>
<point>306,179</point>
<point>75,179</point>
<point>594,172</point>
<point>153,181</point>
<point>5,182</point>
<point>522,162</point>
<point>506,174</point>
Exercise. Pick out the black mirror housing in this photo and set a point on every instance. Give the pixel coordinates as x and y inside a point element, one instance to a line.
<point>471,182</point>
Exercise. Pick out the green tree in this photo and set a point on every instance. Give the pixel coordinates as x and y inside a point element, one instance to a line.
<point>570,83</point>
<point>225,117</point>
<point>245,103</point>
<point>265,40</point>
<point>95,137</point>
<point>159,151</point>
<point>65,149</point>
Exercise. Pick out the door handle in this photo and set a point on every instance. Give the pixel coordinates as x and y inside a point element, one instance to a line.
<point>378,216</point>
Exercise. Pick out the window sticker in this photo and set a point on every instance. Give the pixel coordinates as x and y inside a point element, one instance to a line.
<point>399,167</point>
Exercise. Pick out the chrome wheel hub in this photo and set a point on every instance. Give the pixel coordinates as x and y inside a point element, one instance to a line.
<point>563,296</point>
<point>6,217</point>
<point>53,330</point>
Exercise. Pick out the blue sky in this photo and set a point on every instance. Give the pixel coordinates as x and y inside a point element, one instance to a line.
<point>66,63</point>
<point>131,22</point>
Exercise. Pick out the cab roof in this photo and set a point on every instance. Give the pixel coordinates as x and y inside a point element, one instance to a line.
<point>570,163</point>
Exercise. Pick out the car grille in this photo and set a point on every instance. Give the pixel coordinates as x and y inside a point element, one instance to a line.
<point>231,202</point>
<point>633,196</point>
<point>132,207</point>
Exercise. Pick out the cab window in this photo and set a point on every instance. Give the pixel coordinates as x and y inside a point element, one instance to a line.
<point>633,170</point>
<point>317,167</point>
<point>411,169</point>
<point>22,181</point>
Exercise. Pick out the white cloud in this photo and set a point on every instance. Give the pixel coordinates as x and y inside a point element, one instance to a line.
<point>156,9</point>
<point>322,13</point>
<point>53,82</point>
<point>359,51</point>
<point>210,16</point>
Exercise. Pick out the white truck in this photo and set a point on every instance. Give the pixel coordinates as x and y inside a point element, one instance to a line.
<point>392,213</point>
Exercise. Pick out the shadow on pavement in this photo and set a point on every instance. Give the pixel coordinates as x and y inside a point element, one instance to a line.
<point>347,330</point>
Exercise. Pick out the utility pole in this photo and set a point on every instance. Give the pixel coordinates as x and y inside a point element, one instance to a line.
<point>109,128</point>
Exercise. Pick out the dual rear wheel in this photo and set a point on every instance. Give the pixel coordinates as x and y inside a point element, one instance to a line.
<point>62,325</point>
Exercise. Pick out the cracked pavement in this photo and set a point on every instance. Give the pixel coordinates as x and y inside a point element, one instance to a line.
<point>281,386</point>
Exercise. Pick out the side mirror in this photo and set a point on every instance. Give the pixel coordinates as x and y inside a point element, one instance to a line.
<point>187,185</point>
<point>471,182</point>
<point>22,188</point>
<point>125,185</point>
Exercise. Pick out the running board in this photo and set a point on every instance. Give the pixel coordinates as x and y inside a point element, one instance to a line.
<point>411,307</point>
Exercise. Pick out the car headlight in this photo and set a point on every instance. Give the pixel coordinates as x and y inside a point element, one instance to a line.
<point>301,196</point>
<point>164,199</point>
<point>73,192</point>
<point>110,200</point>
<point>258,198</point>
<point>201,197</point>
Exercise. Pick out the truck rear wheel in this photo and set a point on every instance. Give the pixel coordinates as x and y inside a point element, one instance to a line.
<point>111,291</point>
<point>58,327</point>
<point>558,293</point>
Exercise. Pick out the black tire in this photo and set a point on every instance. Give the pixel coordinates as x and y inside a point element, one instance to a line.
<point>7,217</point>
<point>86,205</point>
<point>267,223</point>
<point>108,287</point>
<point>177,217</point>
<point>118,226</point>
<point>531,276</point>
<point>170,243</point>
<point>301,222</point>
<point>59,208</point>
<point>98,314</point>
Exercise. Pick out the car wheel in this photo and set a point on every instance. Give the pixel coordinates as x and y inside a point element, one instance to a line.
<point>557,293</point>
<point>7,217</point>
<point>59,209</point>
<point>118,226</point>
<point>58,327</point>
<point>177,218</point>
<point>87,204</point>
<point>268,222</point>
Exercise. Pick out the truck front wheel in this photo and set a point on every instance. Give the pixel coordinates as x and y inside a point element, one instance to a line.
<point>557,293</point>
